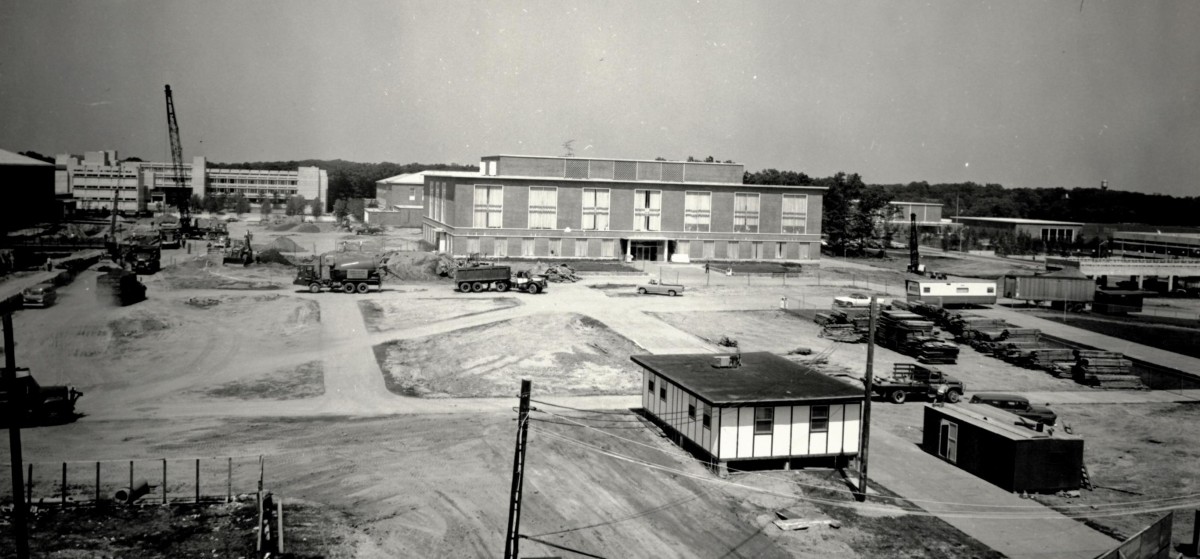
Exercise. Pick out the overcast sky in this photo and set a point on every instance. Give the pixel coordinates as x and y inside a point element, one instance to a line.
<point>1019,93</point>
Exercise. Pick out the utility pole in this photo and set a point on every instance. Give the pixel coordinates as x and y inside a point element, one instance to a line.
<point>512,539</point>
<point>16,403</point>
<point>865,444</point>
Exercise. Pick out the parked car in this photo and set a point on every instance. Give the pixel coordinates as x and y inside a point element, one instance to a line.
<point>40,295</point>
<point>860,300</point>
<point>670,289</point>
<point>1018,405</point>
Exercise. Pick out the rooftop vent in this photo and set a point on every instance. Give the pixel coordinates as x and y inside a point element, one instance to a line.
<point>732,361</point>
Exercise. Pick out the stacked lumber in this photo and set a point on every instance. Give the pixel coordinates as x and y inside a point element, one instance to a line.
<point>844,324</point>
<point>911,334</point>
<point>1105,369</point>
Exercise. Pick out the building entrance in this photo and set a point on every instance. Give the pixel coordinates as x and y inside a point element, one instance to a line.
<point>649,251</point>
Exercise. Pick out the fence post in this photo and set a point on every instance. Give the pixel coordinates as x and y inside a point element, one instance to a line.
<point>164,483</point>
<point>64,484</point>
<point>229,482</point>
<point>97,482</point>
<point>29,485</point>
<point>197,480</point>
<point>131,474</point>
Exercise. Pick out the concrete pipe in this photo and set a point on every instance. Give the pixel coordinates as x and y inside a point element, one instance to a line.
<point>131,494</point>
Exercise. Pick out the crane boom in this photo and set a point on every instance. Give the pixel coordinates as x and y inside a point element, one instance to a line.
<point>178,196</point>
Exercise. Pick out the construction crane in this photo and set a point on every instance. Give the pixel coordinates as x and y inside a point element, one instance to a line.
<point>914,251</point>
<point>179,194</point>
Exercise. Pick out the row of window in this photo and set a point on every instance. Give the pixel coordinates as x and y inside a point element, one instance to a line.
<point>608,248</point>
<point>764,418</point>
<point>254,182</point>
<point>488,209</point>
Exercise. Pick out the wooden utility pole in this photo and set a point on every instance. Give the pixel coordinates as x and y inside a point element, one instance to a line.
<point>16,405</point>
<point>868,380</point>
<point>513,537</point>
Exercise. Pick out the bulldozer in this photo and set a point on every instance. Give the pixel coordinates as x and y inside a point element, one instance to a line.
<point>39,404</point>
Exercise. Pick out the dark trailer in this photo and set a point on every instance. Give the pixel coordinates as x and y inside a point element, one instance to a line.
<point>1003,448</point>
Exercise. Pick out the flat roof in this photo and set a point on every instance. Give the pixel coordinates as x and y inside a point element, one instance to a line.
<point>461,174</point>
<point>901,203</point>
<point>1157,235</point>
<point>406,178</point>
<point>1018,220</point>
<point>10,158</point>
<point>526,156</point>
<point>949,281</point>
<point>763,377</point>
<point>996,420</point>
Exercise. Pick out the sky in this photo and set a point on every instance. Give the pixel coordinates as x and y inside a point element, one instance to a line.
<point>1020,93</point>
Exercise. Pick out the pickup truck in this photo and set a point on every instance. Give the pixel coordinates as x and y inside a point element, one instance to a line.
<point>909,379</point>
<point>670,289</point>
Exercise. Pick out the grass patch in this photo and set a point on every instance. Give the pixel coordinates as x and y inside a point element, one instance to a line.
<point>305,381</point>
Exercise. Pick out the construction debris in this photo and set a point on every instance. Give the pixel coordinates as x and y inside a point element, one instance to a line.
<point>560,273</point>
<point>726,341</point>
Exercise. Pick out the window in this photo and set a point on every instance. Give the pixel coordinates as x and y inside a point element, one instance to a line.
<point>731,251</point>
<point>489,206</point>
<point>595,209</point>
<point>710,249</point>
<point>543,207</point>
<point>745,213</point>
<point>756,250</point>
<point>651,386</point>
<point>555,247</point>
<point>647,210</point>
<point>692,408</point>
<point>706,417</point>
<point>924,290</point>
<point>819,419</point>
<point>779,250</point>
<point>764,420</point>
<point>962,290</point>
<point>662,393</point>
<point>697,211</point>
<point>472,245</point>
<point>526,247</point>
<point>991,290</point>
<point>581,248</point>
<point>795,213</point>
<point>501,248</point>
<point>606,248</point>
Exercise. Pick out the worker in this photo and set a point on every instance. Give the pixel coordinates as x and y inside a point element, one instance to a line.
<point>706,268</point>
<point>939,395</point>
<point>49,264</point>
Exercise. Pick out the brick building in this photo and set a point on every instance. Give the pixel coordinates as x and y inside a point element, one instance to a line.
<point>526,206</point>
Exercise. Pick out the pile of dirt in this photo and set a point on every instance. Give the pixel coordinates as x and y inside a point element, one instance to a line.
<point>203,302</point>
<point>420,266</point>
<point>307,228</point>
<point>285,244</point>
<point>282,227</point>
<point>273,256</point>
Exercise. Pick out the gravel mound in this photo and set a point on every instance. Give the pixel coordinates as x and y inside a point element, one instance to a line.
<point>285,244</point>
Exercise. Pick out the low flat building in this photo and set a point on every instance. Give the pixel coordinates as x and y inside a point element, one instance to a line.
<point>1061,232</point>
<point>399,201</point>
<point>767,409</point>
<point>28,186</point>
<point>1156,245</point>
<point>951,292</point>
<point>566,207</point>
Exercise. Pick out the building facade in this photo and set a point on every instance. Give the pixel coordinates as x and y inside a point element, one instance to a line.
<point>28,186</point>
<point>399,201</point>
<point>524,206</point>
<point>767,408</point>
<point>1050,231</point>
<point>142,185</point>
<point>1144,244</point>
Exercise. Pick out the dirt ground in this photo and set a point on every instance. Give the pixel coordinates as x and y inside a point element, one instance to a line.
<point>585,358</point>
<point>383,315</point>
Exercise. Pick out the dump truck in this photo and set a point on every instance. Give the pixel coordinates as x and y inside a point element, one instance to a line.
<point>169,235</point>
<point>38,403</point>
<point>500,278</point>
<point>910,379</point>
<point>343,272</point>
<point>145,259</point>
<point>119,287</point>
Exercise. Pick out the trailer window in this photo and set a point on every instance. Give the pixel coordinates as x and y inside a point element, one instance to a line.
<point>924,290</point>
<point>692,408</point>
<point>651,387</point>
<point>764,420</point>
<point>819,419</point>
<point>962,290</point>
<point>662,393</point>
<point>706,418</point>
<point>991,291</point>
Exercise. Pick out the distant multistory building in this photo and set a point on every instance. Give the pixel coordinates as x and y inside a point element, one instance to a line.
<point>526,206</point>
<point>141,185</point>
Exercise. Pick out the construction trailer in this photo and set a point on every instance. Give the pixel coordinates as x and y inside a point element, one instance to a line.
<point>752,407</point>
<point>1066,286</point>
<point>951,292</point>
<point>1010,451</point>
<point>1119,301</point>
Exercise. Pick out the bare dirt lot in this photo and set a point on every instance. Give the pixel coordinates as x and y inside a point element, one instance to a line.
<point>386,315</point>
<point>585,358</point>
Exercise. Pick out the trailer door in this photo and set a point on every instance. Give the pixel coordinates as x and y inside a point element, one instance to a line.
<point>948,441</point>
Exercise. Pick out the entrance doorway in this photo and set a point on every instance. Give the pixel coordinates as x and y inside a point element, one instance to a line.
<point>649,251</point>
<point>948,441</point>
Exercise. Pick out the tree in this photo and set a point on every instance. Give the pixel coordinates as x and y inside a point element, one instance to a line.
<point>318,208</point>
<point>210,203</point>
<point>294,205</point>
<point>339,209</point>
<point>195,202</point>
<point>267,207</point>
<point>240,203</point>
<point>357,208</point>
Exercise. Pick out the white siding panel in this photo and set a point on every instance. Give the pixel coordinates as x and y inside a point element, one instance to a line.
<point>818,443</point>
<point>729,433</point>
<point>835,428</point>
<point>853,428</point>
<point>762,446</point>
<point>745,448</point>
<point>782,440</point>
<point>646,376</point>
<point>799,430</point>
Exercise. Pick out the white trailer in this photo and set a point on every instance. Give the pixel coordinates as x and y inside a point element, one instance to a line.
<point>951,292</point>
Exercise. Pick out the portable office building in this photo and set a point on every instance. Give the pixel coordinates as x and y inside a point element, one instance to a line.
<point>957,291</point>
<point>768,408</point>
<point>1003,448</point>
<point>1065,285</point>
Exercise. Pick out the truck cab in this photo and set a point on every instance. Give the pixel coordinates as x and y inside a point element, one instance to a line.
<point>910,379</point>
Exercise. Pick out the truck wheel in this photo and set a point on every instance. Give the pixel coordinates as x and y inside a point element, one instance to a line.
<point>897,396</point>
<point>465,287</point>
<point>314,287</point>
<point>502,286</point>
<point>533,288</point>
<point>347,288</point>
<point>671,293</point>
<point>641,291</point>
<point>953,396</point>
<point>362,287</point>
<point>478,287</point>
